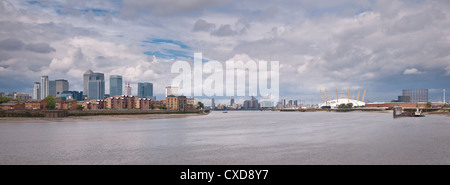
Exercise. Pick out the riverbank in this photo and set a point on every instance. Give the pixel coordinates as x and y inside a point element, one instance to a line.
<point>74,113</point>
<point>437,113</point>
<point>98,118</point>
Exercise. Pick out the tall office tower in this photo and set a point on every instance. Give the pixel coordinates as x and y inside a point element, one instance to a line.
<point>172,90</point>
<point>145,90</point>
<point>61,85</point>
<point>128,90</point>
<point>44,87</point>
<point>37,91</point>
<point>86,77</point>
<point>115,85</point>
<point>94,85</point>
<point>52,88</point>
<point>213,103</point>
<point>232,101</point>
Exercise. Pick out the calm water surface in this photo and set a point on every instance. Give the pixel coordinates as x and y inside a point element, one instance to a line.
<point>233,138</point>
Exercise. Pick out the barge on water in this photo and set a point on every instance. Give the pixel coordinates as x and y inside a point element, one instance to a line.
<point>398,112</point>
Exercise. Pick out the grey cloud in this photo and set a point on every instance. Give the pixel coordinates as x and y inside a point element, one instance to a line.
<point>242,26</point>
<point>133,8</point>
<point>224,31</point>
<point>11,44</point>
<point>40,48</point>
<point>417,21</point>
<point>388,8</point>
<point>202,25</point>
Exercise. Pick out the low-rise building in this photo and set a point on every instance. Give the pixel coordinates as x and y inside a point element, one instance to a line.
<point>93,104</point>
<point>61,104</point>
<point>12,105</point>
<point>401,104</point>
<point>122,102</point>
<point>33,104</point>
<point>145,103</point>
<point>192,103</point>
<point>176,103</point>
<point>157,103</point>
<point>22,96</point>
<point>115,102</point>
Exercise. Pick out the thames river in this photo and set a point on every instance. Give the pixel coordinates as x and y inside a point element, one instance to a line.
<point>237,137</point>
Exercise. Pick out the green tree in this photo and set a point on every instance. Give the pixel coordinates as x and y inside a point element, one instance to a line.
<point>349,105</point>
<point>345,106</point>
<point>5,99</point>
<point>153,106</point>
<point>79,107</point>
<point>428,104</point>
<point>50,102</point>
<point>200,105</point>
<point>163,106</point>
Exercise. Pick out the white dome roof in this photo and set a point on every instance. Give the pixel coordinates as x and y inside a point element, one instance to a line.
<point>336,103</point>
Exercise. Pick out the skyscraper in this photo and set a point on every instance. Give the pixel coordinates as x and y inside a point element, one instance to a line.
<point>37,91</point>
<point>232,101</point>
<point>61,86</point>
<point>86,77</point>
<point>115,85</point>
<point>128,90</point>
<point>44,87</point>
<point>172,90</point>
<point>52,88</point>
<point>213,103</point>
<point>251,104</point>
<point>145,90</point>
<point>94,85</point>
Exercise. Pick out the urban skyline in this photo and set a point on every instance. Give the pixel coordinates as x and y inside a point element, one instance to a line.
<point>327,44</point>
<point>64,86</point>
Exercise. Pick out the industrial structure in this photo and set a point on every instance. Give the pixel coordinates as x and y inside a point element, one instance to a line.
<point>414,95</point>
<point>338,101</point>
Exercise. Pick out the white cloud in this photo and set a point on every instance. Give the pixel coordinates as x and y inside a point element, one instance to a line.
<point>448,71</point>
<point>412,71</point>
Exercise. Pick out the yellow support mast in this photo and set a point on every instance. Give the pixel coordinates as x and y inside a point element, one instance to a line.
<point>337,96</point>
<point>322,96</point>
<point>359,91</point>
<point>348,96</point>
<point>328,98</point>
<point>364,95</point>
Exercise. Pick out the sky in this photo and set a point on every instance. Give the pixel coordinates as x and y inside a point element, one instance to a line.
<point>383,46</point>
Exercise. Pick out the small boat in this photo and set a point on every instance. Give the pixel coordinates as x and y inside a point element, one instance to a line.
<point>225,112</point>
<point>418,113</point>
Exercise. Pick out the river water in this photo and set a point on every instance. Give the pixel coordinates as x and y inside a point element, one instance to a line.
<point>237,137</point>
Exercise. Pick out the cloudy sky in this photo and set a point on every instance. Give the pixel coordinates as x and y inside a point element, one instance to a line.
<point>382,45</point>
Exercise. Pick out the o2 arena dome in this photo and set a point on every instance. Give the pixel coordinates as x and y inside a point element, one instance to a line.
<point>336,102</point>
